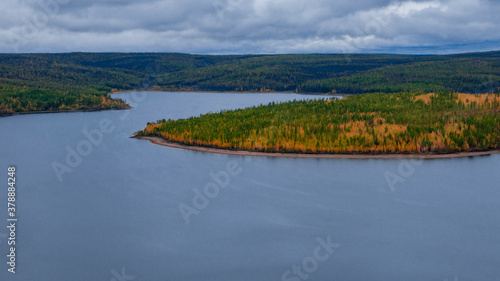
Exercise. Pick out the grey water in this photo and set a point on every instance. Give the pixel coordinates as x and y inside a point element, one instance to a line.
<point>111,208</point>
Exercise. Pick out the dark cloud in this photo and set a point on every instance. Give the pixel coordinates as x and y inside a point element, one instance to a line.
<point>251,26</point>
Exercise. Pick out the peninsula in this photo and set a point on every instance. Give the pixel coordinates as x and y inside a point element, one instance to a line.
<point>404,124</point>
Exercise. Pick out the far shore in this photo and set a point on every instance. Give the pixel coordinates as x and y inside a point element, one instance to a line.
<point>158,91</point>
<point>234,92</point>
<point>61,111</point>
<point>163,142</point>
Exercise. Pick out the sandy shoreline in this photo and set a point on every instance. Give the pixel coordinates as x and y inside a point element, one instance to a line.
<point>160,141</point>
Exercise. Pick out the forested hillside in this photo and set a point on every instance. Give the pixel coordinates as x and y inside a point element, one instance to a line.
<point>41,82</point>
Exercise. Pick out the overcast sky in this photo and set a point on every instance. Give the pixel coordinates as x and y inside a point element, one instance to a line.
<point>249,26</point>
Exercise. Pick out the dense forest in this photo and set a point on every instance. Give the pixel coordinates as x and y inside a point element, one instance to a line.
<point>42,82</point>
<point>443,122</point>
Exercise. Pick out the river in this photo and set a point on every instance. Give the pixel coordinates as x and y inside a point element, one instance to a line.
<point>94,204</point>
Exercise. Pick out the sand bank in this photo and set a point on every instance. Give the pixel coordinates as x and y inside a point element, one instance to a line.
<point>160,141</point>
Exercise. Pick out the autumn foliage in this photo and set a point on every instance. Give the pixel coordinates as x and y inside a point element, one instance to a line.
<point>370,123</point>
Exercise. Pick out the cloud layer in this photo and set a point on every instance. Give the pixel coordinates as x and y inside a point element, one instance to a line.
<point>249,26</point>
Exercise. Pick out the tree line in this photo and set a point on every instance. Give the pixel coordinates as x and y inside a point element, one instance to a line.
<point>83,80</point>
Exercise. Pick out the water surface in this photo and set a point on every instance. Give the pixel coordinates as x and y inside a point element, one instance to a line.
<point>118,209</point>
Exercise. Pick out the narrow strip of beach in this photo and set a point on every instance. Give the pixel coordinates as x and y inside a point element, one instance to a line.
<point>163,142</point>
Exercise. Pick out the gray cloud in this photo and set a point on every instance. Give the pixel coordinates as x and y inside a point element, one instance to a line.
<point>252,26</point>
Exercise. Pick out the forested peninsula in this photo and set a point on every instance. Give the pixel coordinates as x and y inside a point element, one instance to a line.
<point>83,81</point>
<point>376,123</point>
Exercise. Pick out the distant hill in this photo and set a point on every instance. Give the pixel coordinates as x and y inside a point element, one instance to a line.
<point>74,81</point>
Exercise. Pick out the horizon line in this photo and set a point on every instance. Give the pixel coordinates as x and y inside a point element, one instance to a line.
<point>252,54</point>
